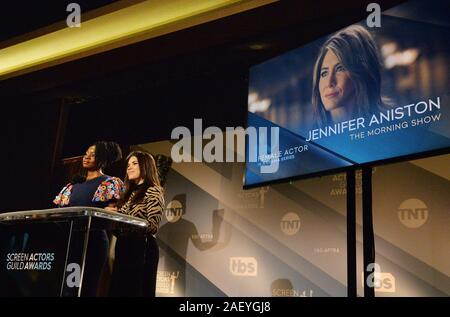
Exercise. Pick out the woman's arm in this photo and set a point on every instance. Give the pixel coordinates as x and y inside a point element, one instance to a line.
<point>63,197</point>
<point>111,207</point>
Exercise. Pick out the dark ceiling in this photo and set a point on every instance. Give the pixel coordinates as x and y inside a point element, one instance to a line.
<point>20,17</point>
<point>167,81</point>
<point>236,41</point>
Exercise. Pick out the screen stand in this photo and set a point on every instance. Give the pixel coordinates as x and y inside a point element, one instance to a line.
<point>368,234</point>
<point>351,234</point>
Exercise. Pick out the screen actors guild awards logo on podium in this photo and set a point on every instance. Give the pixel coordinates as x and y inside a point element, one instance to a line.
<point>413,213</point>
<point>290,223</point>
<point>243,266</point>
<point>174,211</point>
<point>38,261</point>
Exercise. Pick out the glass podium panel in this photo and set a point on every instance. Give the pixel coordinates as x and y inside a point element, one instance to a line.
<point>63,252</point>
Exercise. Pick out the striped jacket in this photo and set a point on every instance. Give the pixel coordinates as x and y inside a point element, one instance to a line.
<point>150,208</point>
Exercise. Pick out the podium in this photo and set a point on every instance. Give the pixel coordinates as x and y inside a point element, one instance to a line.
<point>58,252</point>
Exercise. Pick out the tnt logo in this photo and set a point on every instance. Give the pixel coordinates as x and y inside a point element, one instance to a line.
<point>413,213</point>
<point>174,211</point>
<point>246,266</point>
<point>382,282</point>
<point>290,223</point>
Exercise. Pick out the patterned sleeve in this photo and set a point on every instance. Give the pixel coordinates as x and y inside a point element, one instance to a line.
<point>63,197</point>
<point>109,189</point>
<point>150,208</point>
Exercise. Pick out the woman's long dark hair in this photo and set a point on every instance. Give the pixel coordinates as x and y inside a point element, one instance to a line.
<point>149,174</point>
<point>357,51</point>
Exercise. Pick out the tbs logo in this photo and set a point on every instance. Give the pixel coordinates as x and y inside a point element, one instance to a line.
<point>381,281</point>
<point>245,266</point>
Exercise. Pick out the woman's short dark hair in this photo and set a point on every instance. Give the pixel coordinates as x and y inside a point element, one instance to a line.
<point>356,49</point>
<point>107,153</point>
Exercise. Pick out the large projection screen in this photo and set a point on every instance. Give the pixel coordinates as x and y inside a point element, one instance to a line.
<point>356,97</point>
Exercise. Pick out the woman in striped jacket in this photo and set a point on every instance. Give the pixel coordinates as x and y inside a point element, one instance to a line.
<point>143,198</point>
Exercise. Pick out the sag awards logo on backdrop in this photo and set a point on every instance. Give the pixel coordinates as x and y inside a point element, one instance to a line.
<point>243,266</point>
<point>326,250</point>
<point>290,223</point>
<point>251,199</point>
<point>283,287</point>
<point>166,282</point>
<point>204,237</point>
<point>413,213</point>
<point>289,292</point>
<point>339,183</point>
<point>174,211</point>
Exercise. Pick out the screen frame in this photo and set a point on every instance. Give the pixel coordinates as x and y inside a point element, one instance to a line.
<point>372,164</point>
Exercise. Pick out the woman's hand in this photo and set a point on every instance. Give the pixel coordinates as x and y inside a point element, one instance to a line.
<point>111,208</point>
